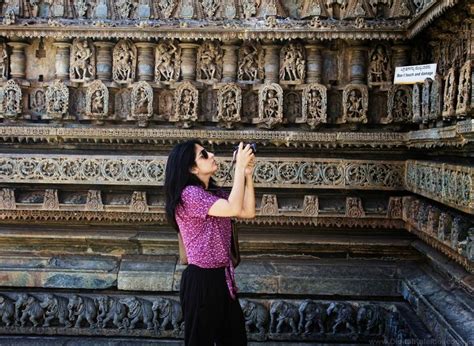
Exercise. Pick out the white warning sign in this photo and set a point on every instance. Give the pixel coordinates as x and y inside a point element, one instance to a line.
<point>414,74</point>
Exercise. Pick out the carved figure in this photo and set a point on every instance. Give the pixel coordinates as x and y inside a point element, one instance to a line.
<point>458,231</point>
<point>314,107</point>
<point>124,61</point>
<point>354,207</point>
<point>351,9</point>
<point>283,315</point>
<point>167,61</point>
<point>266,8</point>
<point>82,65</point>
<point>56,307</point>
<point>394,209</point>
<point>270,106</point>
<point>12,100</point>
<point>210,7</point>
<point>229,99</point>
<point>313,8</point>
<point>449,94</point>
<point>463,104</point>
<point>142,103</point>
<point>166,7</point>
<point>355,102</point>
<point>379,71</point>
<point>51,201</point>
<point>3,61</point>
<point>416,104</point>
<point>249,8</point>
<point>269,205</point>
<point>256,317</point>
<point>167,311</point>
<point>138,310</point>
<point>399,105</point>
<point>111,309</point>
<point>94,201</point>
<point>124,9</point>
<point>292,63</point>
<point>444,226</point>
<point>370,319</point>
<point>38,101</point>
<point>312,316</point>
<point>209,64</point>
<point>425,100</point>
<point>30,309</point>
<point>401,9</point>
<point>436,98</point>
<point>57,100</point>
<point>310,205</point>
<point>7,197</point>
<point>186,102</point>
<point>138,203</point>
<point>343,317</point>
<point>433,219</point>
<point>97,101</point>
<point>83,308</point>
<point>7,311</point>
<point>250,62</point>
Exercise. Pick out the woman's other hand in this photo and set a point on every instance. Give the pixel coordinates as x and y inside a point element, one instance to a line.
<point>244,156</point>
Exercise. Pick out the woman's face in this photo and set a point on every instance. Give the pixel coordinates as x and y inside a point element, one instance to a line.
<point>205,161</point>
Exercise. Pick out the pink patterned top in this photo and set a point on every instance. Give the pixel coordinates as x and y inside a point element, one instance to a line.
<point>206,238</point>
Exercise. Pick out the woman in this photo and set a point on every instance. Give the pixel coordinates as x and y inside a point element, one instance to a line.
<point>201,213</point>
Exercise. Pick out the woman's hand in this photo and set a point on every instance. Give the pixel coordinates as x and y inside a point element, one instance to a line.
<point>244,156</point>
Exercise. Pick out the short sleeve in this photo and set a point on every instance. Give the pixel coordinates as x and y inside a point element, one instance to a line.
<point>197,201</point>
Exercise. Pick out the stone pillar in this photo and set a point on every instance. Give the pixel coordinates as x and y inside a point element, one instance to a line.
<point>272,62</point>
<point>18,59</point>
<point>188,60</point>
<point>358,63</point>
<point>229,73</point>
<point>63,57</point>
<point>146,61</point>
<point>400,55</point>
<point>314,65</point>
<point>104,60</point>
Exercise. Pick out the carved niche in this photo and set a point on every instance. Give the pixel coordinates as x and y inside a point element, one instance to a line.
<point>380,70</point>
<point>251,62</point>
<point>352,9</point>
<point>51,201</point>
<point>269,205</point>
<point>314,105</point>
<point>209,62</point>
<point>292,64</point>
<point>355,103</point>
<point>11,105</point>
<point>416,103</point>
<point>270,106</point>
<point>399,105</point>
<point>449,97</point>
<point>165,8</point>
<point>210,8</point>
<point>57,100</point>
<point>138,203</point>
<point>4,62</point>
<point>186,105</point>
<point>229,100</point>
<point>94,201</point>
<point>436,98</point>
<point>401,9</point>
<point>38,101</point>
<point>313,8</point>
<point>167,61</point>
<point>310,206</point>
<point>394,209</point>
<point>125,9</point>
<point>463,105</point>
<point>142,103</point>
<point>354,207</point>
<point>97,101</point>
<point>124,62</point>
<point>82,61</point>
<point>425,100</point>
<point>7,199</point>
<point>267,8</point>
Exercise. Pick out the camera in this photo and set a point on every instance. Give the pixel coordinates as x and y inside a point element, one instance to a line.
<point>253,147</point>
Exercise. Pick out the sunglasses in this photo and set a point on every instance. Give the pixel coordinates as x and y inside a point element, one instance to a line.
<point>204,153</point>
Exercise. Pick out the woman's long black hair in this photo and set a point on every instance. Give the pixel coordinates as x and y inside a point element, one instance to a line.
<point>178,175</point>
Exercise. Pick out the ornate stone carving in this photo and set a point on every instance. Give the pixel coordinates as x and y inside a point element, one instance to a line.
<point>124,62</point>
<point>83,61</point>
<point>292,64</point>
<point>209,62</point>
<point>463,104</point>
<point>4,61</point>
<point>314,105</point>
<point>138,203</point>
<point>449,97</point>
<point>94,201</point>
<point>256,318</point>
<point>355,103</point>
<point>97,101</point>
<point>12,104</point>
<point>399,105</point>
<point>416,103</point>
<point>251,62</point>
<point>38,101</point>
<point>310,206</point>
<point>269,205</point>
<point>7,197</point>
<point>249,8</point>
<point>313,8</point>
<point>354,207</point>
<point>401,9</point>
<point>436,98</point>
<point>266,8</point>
<point>425,100</point>
<point>142,103</point>
<point>356,9</point>
<point>51,201</point>
<point>394,209</point>
<point>166,8</point>
<point>270,105</point>
<point>186,104</point>
<point>380,69</point>
<point>167,61</point>
<point>229,100</point>
<point>57,100</point>
<point>432,222</point>
<point>283,316</point>
<point>125,9</point>
<point>444,226</point>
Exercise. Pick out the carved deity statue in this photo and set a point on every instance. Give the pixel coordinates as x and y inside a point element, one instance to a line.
<point>81,7</point>
<point>416,103</point>
<point>314,108</point>
<point>292,64</point>
<point>270,106</point>
<point>7,199</point>
<point>142,103</point>
<point>249,8</point>
<point>425,100</point>
<point>355,102</point>
<point>3,61</point>
<point>11,100</point>
<point>210,60</point>
<point>351,9</point>
<point>38,101</point>
<point>20,8</point>
<point>269,205</point>
<point>354,207</point>
<point>97,101</point>
<point>436,98</point>
<point>165,8</point>
<point>463,104</point>
<point>167,61</point>
<point>138,204</point>
<point>449,94</point>
<point>125,9</point>
<point>186,103</point>
<point>399,105</point>
<point>251,62</point>
<point>229,100</point>
<point>124,61</point>
<point>82,63</point>
<point>210,7</point>
<point>267,8</point>
<point>313,8</point>
<point>310,205</point>
<point>57,100</point>
<point>379,66</point>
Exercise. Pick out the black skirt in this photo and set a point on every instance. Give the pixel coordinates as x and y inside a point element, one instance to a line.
<point>211,316</point>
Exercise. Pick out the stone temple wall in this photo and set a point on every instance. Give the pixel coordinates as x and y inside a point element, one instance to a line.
<point>365,189</point>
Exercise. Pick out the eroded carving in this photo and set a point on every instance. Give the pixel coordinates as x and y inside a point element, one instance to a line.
<point>270,106</point>
<point>186,103</point>
<point>355,102</point>
<point>380,70</point>
<point>83,61</point>
<point>142,103</point>
<point>399,105</point>
<point>7,196</point>
<point>449,97</point>
<point>292,64</point>
<point>314,105</point>
<point>97,101</point>
<point>57,100</point>
<point>124,62</point>
<point>4,61</point>
<point>167,61</point>
<point>354,207</point>
<point>210,58</point>
<point>250,62</point>
<point>11,100</point>
<point>463,104</point>
<point>229,107</point>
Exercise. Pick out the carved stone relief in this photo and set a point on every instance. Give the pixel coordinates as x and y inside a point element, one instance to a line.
<point>292,64</point>
<point>167,61</point>
<point>12,100</point>
<point>270,106</point>
<point>416,103</point>
<point>186,105</point>
<point>310,205</point>
<point>138,203</point>
<point>463,104</point>
<point>449,97</point>
<point>51,201</point>
<point>401,9</point>
<point>314,105</point>
<point>38,101</point>
<point>125,9</point>
<point>250,62</point>
<point>399,107</point>
<point>229,100</point>
<point>7,199</point>
<point>97,101</point>
<point>425,100</point>
<point>165,8</point>
<point>394,209</point>
<point>266,8</point>
<point>94,201</point>
<point>436,98</point>
<point>83,61</point>
<point>57,100</point>
<point>4,61</point>
<point>354,207</point>
<point>124,62</point>
<point>142,103</point>
<point>355,102</point>
<point>209,62</point>
<point>351,9</point>
<point>380,69</point>
<point>313,8</point>
<point>269,205</point>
